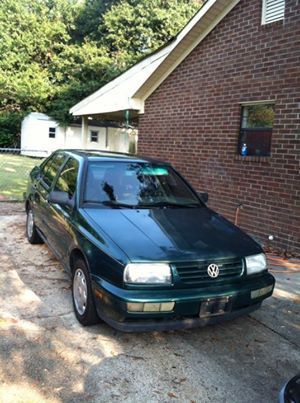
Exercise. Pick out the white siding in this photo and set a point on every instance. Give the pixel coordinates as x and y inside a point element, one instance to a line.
<point>73,137</point>
<point>35,140</point>
<point>101,144</point>
<point>118,140</point>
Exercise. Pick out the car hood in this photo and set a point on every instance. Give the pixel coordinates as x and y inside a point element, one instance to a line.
<point>171,234</point>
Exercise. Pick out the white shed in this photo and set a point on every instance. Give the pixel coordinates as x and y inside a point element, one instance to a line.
<point>40,135</point>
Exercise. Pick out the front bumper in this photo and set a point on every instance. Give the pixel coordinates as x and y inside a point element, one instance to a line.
<point>111,304</point>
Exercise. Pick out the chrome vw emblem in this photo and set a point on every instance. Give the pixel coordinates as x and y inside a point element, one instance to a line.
<point>213,270</point>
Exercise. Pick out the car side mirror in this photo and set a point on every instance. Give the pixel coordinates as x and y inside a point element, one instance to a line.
<point>35,172</point>
<point>203,196</point>
<point>61,198</point>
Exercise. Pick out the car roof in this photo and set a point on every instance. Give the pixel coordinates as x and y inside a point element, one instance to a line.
<point>102,155</point>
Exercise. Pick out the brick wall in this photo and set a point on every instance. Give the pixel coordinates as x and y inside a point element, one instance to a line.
<point>193,119</point>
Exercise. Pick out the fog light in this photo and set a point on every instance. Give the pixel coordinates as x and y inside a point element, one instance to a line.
<point>167,306</point>
<point>150,306</point>
<point>261,292</point>
<point>135,306</point>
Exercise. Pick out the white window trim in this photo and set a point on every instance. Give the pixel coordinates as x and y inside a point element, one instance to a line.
<point>265,101</point>
<point>94,131</point>
<point>52,132</point>
<point>263,14</point>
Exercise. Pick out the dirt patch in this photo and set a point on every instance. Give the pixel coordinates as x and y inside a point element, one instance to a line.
<point>11,208</point>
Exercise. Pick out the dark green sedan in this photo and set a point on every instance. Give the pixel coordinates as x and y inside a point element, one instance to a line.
<point>143,249</point>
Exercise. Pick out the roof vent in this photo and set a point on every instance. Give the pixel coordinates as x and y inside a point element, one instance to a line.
<point>273,10</point>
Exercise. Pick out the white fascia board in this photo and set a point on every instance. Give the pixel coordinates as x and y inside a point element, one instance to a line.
<point>104,107</point>
<point>197,17</point>
<point>112,102</point>
<point>123,86</point>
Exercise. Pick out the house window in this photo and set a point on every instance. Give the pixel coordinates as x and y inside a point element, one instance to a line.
<point>52,132</point>
<point>272,10</point>
<point>94,136</point>
<point>256,130</point>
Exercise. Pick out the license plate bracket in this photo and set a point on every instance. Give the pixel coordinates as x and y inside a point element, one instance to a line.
<point>215,306</point>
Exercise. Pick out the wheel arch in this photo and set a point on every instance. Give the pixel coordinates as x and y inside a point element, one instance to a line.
<point>75,254</point>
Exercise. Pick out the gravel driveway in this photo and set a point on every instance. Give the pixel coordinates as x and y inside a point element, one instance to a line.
<point>46,356</point>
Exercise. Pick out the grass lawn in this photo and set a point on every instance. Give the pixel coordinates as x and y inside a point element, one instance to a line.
<point>14,170</point>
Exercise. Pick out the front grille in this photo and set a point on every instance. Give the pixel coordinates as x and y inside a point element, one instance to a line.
<point>194,273</point>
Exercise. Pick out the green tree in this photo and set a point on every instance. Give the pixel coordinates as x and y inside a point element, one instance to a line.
<point>53,53</point>
<point>32,33</point>
<point>10,123</point>
<point>90,17</point>
<point>79,70</point>
<point>134,28</point>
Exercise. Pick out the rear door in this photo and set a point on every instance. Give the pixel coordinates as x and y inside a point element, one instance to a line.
<point>61,216</point>
<point>41,189</point>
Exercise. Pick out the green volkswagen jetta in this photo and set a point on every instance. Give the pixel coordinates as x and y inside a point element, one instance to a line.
<point>143,249</point>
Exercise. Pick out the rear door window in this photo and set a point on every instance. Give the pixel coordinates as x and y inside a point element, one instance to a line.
<point>51,168</point>
<point>67,180</point>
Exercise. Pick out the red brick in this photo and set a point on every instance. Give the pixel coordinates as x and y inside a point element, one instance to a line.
<point>193,119</point>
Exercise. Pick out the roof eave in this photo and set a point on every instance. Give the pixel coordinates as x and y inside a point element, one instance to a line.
<point>153,59</point>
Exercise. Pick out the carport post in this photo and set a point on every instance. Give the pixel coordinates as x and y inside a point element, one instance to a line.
<point>84,131</point>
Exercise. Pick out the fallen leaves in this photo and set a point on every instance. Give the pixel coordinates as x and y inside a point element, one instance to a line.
<point>172,395</point>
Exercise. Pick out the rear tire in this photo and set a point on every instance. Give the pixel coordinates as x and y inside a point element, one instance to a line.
<point>31,231</point>
<point>82,295</point>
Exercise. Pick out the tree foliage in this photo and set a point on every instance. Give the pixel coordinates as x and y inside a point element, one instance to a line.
<point>56,52</point>
<point>136,27</point>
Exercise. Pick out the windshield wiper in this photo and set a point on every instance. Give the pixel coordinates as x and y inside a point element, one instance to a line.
<point>170,204</point>
<point>116,204</point>
<point>110,203</point>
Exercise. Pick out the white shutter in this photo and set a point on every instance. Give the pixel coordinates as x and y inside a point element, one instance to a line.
<point>273,10</point>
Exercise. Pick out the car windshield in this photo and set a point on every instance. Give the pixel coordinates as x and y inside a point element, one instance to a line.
<point>137,184</point>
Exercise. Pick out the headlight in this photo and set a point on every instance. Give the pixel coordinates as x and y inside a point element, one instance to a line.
<point>256,263</point>
<point>147,273</point>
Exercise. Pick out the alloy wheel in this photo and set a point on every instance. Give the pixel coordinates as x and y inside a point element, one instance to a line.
<point>80,291</point>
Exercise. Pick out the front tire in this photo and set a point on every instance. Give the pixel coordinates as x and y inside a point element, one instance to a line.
<point>82,294</point>
<point>31,231</point>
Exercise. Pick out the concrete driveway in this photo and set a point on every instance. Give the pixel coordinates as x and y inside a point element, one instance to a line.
<point>46,356</point>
